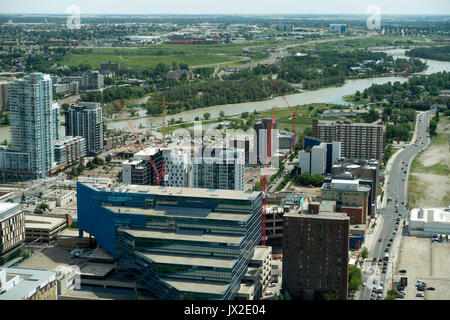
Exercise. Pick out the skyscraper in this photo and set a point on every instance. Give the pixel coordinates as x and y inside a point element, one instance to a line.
<point>315,254</point>
<point>219,168</point>
<point>359,140</point>
<point>33,127</point>
<point>85,120</point>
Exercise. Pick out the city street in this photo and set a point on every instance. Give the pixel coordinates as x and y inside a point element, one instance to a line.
<point>390,221</point>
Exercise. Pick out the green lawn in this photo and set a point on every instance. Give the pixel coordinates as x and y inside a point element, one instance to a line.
<point>144,61</point>
<point>149,56</point>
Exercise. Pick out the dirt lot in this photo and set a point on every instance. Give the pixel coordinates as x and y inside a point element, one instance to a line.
<point>429,185</point>
<point>428,262</point>
<point>309,192</point>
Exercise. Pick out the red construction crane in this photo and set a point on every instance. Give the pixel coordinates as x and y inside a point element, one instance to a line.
<point>294,112</point>
<point>130,124</point>
<point>263,180</point>
<point>411,61</point>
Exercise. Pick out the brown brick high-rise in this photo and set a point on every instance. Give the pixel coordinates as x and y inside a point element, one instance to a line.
<point>315,254</point>
<point>359,140</point>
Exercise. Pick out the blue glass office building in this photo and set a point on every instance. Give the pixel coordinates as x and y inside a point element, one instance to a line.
<point>180,243</point>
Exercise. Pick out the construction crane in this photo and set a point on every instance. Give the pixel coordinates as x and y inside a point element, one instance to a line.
<point>160,174</point>
<point>411,61</point>
<point>294,112</point>
<point>263,180</point>
<point>164,113</point>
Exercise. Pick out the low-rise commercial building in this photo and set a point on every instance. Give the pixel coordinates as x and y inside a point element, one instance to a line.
<point>351,198</point>
<point>61,197</point>
<point>428,222</point>
<point>27,284</point>
<point>42,228</point>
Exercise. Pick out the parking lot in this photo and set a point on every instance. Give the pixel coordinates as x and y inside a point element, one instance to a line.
<point>428,262</point>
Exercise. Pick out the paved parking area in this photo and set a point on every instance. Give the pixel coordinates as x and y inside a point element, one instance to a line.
<point>428,262</point>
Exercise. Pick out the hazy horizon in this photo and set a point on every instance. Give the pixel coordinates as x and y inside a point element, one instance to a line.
<point>230,7</point>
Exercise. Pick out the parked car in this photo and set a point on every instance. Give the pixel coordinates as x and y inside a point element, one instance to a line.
<point>421,295</point>
<point>402,271</point>
<point>420,288</point>
<point>269,293</point>
<point>431,288</point>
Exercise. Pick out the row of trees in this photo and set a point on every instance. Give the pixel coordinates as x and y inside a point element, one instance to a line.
<point>199,94</point>
<point>116,93</point>
<point>323,68</point>
<point>435,53</point>
<point>306,179</point>
<point>429,84</point>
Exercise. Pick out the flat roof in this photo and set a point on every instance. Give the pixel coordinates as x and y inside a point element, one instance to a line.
<point>327,205</point>
<point>186,237</point>
<point>320,215</point>
<point>7,210</point>
<point>42,222</point>
<point>197,286</point>
<point>188,260</point>
<point>430,215</point>
<point>246,288</point>
<point>181,212</point>
<point>186,192</point>
<point>96,269</point>
<point>31,279</point>
<point>261,252</point>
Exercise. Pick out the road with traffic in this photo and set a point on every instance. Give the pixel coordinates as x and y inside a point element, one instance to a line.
<point>392,214</point>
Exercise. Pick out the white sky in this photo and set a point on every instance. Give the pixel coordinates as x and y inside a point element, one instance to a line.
<point>441,7</point>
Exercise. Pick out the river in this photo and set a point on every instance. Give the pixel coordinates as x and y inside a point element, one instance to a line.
<point>324,95</point>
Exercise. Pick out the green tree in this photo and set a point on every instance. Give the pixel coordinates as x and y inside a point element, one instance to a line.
<point>391,295</point>
<point>364,253</point>
<point>354,279</point>
<point>308,131</point>
<point>331,296</point>
<point>206,116</point>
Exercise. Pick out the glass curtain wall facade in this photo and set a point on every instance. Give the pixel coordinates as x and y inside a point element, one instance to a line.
<point>181,243</point>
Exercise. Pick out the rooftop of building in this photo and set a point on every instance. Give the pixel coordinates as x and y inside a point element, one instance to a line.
<point>246,288</point>
<point>39,222</point>
<point>348,123</point>
<point>58,193</point>
<point>320,215</point>
<point>357,227</point>
<point>67,139</point>
<point>441,215</point>
<point>200,261</point>
<point>8,210</point>
<point>182,212</point>
<point>327,206</point>
<point>31,280</point>
<point>198,286</point>
<point>186,192</point>
<point>345,185</point>
<point>261,252</point>
<point>185,236</point>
